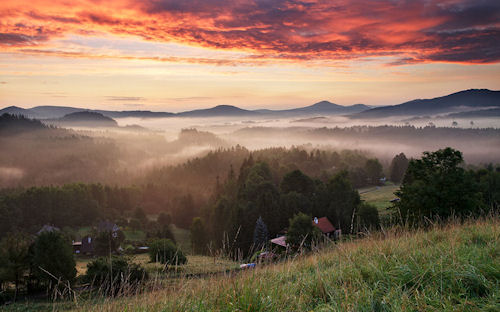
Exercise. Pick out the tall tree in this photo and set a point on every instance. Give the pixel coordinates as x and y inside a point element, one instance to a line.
<point>437,186</point>
<point>344,199</point>
<point>53,259</point>
<point>399,164</point>
<point>198,236</point>
<point>373,169</point>
<point>260,233</point>
<point>14,261</point>
<point>296,181</point>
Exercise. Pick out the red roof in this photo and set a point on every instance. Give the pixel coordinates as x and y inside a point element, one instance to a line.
<point>324,225</point>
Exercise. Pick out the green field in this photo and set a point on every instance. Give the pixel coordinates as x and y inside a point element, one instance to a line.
<point>379,196</point>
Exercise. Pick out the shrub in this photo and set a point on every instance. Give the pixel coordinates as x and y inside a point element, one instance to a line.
<point>52,258</point>
<point>113,274</point>
<point>302,232</point>
<point>166,252</point>
<point>368,217</point>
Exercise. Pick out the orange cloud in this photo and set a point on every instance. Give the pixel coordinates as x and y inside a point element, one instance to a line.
<point>460,31</point>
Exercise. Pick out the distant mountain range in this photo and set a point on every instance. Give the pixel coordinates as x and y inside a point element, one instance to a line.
<point>468,100</point>
<point>321,108</point>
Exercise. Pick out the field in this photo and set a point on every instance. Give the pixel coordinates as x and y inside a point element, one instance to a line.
<point>379,196</point>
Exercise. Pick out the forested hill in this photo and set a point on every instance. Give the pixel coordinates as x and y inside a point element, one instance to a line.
<point>11,124</point>
<point>85,119</point>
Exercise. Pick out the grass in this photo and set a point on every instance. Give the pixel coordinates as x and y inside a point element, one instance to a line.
<point>134,235</point>
<point>450,268</point>
<point>379,196</point>
<point>455,268</point>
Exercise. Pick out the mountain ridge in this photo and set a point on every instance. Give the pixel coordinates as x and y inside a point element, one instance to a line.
<point>451,103</point>
<point>448,104</point>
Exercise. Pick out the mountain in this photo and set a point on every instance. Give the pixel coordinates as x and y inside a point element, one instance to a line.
<point>220,111</point>
<point>135,114</point>
<point>328,108</point>
<point>55,112</point>
<point>320,108</point>
<point>474,99</point>
<point>477,98</point>
<point>14,110</point>
<point>83,119</point>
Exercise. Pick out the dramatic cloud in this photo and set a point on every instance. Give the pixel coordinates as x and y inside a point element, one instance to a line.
<point>411,31</point>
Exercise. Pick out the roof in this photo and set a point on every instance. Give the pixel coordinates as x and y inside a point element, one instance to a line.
<point>47,228</point>
<point>324,225</point>
<point>280,241</point>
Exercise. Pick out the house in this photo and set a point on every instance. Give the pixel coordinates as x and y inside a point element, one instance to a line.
<point>47,228</point>
<point>87,245</point>
<point>324,225</point>
<point>77,247</point>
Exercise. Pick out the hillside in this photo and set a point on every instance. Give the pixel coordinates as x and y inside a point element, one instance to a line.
<point>84,119</point>
<point>446,104</point>
<point>12,124</point>
<point>220,110</point>
<point>455,268</point>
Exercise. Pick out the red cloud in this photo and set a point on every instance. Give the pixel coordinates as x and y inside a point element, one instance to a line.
<point>463,31</point>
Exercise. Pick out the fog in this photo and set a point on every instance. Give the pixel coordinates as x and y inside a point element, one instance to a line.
<point>137,147</point>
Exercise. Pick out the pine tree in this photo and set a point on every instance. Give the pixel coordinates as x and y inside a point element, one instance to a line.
<point>260,234</point>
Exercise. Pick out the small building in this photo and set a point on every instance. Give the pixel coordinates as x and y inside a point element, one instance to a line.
<point>87,245</point>
<point>77,247</point>
<point>324,225</point>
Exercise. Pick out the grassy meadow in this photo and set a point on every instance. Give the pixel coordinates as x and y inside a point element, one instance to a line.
<point>379,196</point>
<point>453,268</point>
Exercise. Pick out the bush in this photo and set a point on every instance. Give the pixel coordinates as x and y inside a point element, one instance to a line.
<point>302,232</point>
<point>367,217</point>
<point>166,252</point>
<point>113,274</point>
<point>52,258</point>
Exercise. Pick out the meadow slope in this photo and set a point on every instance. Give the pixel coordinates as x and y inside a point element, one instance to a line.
<point>451,268</point>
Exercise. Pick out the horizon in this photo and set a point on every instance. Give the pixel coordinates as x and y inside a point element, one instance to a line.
<point>235,106</point>
<point>174,57</point>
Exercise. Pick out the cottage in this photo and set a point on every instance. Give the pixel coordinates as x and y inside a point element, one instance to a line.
<point>324,225</point>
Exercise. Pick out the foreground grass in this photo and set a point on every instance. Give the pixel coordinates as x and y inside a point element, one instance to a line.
<point>456,268</point>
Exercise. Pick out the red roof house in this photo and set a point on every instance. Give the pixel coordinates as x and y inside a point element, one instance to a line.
<point>324,225</point>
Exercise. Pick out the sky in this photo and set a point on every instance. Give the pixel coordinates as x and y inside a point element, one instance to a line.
<point>175,55</point>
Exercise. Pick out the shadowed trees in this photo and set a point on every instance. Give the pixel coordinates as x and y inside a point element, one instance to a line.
<point>437,186</point>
